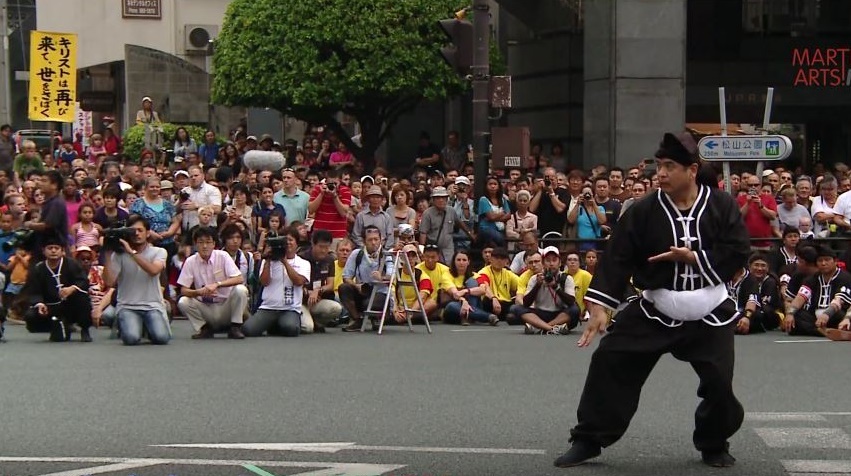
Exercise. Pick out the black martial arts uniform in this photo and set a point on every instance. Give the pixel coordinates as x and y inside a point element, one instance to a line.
<point>780,259</point>
<point>765,293</point>
<point>43,286</point>
<point>818,292</point>
<point>641,334</point>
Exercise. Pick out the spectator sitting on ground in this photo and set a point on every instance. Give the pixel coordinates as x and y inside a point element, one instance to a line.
<point>283,275</point>
<point>213,290</point>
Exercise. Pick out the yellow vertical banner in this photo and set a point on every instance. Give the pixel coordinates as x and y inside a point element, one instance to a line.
<point>53,76</point>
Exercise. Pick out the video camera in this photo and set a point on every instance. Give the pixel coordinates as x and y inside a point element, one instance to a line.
<point>277,247</point>
<point>21,238</point>
<point>112,237</point>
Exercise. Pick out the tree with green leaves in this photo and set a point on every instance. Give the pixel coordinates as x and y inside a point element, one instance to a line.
<point>373,60</point>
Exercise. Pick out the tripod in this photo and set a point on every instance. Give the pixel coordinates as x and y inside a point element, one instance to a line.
<point>395,283</point>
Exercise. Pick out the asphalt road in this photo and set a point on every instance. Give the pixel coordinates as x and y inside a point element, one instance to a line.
<point>473,401</point>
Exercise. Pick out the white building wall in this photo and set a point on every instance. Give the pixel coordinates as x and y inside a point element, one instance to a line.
<point>103,32</point>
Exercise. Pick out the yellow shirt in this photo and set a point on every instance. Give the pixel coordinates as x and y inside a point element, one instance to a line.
<point>338,274</point>
<point>440,276</point>
<point>407,292</point>
<point>523,281</point>
<point>503,283</point>
<point>582,279</point>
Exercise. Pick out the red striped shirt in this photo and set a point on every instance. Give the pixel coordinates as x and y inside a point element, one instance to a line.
<point>327,217</point>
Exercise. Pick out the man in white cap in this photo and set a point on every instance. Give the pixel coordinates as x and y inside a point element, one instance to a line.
<point>548,297</point>
<point>147,115</point>
<point>438,223</point>
<point>374,215</point>
<point>464,207</point>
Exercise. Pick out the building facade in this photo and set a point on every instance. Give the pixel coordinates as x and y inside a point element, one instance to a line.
<point>129,49</point>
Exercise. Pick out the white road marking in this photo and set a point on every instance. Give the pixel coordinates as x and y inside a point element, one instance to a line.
<point>426,449</point>
<point>818,466</point>
<point>800,413</point>
<point>298,447</point>
<point>349,469</point>
<point>797,341</point>
<point>804,437</point>
<point>106,469</point>
<point>336,447</point>
<point>770,416</point>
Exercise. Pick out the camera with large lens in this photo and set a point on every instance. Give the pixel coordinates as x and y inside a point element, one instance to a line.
<point>277,247</point>
<point>548,183</point>
<point>112,237</point>
<point>330,186</point>
<point>587,197</point>
<point>184,196</point>
<point>550,276</point>
<point>21,238</point>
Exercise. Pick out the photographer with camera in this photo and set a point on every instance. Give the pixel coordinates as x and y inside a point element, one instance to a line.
<point>329,202</point>
<point>58,289</point>
<point>588,217</point>
<point>283,275</point>
<point>548,298</point>
<point>758,211</point>
<point>549,202</point>
<point>133,268</point>
<point>214,296</point>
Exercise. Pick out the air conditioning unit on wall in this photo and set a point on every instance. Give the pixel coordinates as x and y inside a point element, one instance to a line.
<point>197,38</point>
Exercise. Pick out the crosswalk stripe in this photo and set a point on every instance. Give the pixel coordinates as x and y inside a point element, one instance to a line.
<point>804,437</point>
<point>818,466</point>
<point>770,416</point>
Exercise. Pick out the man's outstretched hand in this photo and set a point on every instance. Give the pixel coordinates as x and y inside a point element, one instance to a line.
<point>596,324</point>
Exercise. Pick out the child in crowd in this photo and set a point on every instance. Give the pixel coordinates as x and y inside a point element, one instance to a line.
<point>86,232</point>
<point>805,226</point>
<point>18,271</point>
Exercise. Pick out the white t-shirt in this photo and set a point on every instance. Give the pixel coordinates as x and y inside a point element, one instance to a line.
<point>206,195</point>
<point>820,206</point>
<point>280,294</point>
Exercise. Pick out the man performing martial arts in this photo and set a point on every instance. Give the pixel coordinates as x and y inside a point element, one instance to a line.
<point>680,246</point>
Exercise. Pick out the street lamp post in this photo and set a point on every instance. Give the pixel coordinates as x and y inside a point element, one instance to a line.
<point>481,103</point>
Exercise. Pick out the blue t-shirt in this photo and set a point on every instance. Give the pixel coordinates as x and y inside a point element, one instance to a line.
<point>587,227</point>
<point>485,206</point>
<point>5,255</point>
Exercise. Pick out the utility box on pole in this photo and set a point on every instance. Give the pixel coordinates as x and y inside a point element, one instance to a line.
<point>511,146</point>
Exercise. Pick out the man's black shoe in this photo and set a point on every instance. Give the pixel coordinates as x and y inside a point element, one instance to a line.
<point>354,326</point>
<point>579,453</point>
<point>235,332</point>
<point>85,336</point>
<point>718,459</point>
<point>206,332</point>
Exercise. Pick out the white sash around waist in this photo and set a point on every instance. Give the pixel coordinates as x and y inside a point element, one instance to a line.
<point>687,305</point>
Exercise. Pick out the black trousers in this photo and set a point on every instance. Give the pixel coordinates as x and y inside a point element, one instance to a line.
<point>627,355</point>
<point>355,302</point>
<point>77,309</point>
<point>805,323</point>
<point>762,321</point>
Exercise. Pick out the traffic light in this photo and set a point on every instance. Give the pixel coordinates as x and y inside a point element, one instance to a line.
<point>460,54</point>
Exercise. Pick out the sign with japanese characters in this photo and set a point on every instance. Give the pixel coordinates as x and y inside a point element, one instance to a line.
<point>755,147</point>
<point>150,9</point>
<point>82,124</point>
<point>53,76</point>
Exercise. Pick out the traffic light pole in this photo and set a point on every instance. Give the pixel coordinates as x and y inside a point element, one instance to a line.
<point>481,100</point>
